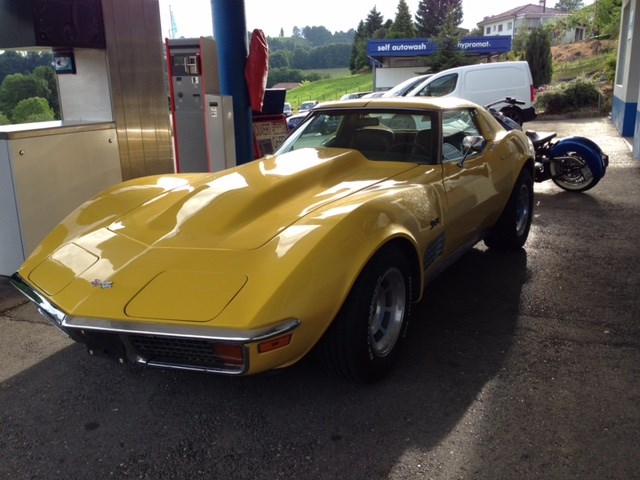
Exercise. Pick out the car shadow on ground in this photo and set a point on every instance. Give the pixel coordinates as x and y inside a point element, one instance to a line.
<point>75,416</point>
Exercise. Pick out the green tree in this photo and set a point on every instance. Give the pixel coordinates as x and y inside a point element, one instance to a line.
<point>281,32</point>
<point>34,109</point>
<point>300,58</point>
<point>538,55</point>
<point>607,17</point>
<point>569,5</point>
<point>22,62</point>
<point>18,87</point>
<point>373,23</point>
<point>48,75</point>
<point>520,41</point>
<point>4,120</point>
<point>279,59</point>
<point>317,36</point>
<point>402,26</point>
<point>431,14</point>
<point>372,27</point>
<point>358,58</point>
<point>447,39</point>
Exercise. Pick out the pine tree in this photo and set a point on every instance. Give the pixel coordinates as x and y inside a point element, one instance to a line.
<point>357,47</point>
<point>431,15</point>
<point>402,26</point>
<point>538,55</point>
<point>447,39</point>
<point>372,27</point>
<point>373,23</point>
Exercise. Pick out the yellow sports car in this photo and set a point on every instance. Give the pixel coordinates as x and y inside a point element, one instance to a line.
<point>327,242</point>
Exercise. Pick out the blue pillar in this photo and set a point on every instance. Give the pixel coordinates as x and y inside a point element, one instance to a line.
<point>230,34</point>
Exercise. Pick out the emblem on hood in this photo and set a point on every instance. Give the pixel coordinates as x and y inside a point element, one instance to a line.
<point>101,284</point>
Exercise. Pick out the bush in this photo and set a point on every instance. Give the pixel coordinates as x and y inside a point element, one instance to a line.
<point>569,96</point>
<point>4,120</point>
<point>610,67</point>
<point>35,109</point>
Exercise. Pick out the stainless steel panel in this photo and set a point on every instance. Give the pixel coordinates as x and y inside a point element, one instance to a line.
<point>140,100</point>
<point>54,174</point>
<point>11,253</point>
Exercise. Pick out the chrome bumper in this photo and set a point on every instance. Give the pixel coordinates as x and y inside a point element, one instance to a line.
<point>130,335</point>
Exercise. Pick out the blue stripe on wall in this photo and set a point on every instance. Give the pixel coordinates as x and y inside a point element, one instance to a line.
<point>623,116</point>
<point>636,137</point>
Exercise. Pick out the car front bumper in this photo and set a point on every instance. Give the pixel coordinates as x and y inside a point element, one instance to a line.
<point>169,346</point>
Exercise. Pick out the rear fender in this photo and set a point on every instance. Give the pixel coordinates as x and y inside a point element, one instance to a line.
<point>587,148</point>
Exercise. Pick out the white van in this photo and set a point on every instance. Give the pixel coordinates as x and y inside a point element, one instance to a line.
<point>484,84</point>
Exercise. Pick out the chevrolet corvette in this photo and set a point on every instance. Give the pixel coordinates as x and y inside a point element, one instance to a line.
<point>323,245</point>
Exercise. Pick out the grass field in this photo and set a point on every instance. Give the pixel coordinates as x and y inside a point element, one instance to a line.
<point>330,88</point>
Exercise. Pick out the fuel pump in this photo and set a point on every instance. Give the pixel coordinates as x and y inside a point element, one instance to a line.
<point>203,129</point>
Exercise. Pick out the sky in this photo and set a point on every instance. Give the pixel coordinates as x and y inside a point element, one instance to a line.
<point>193,17</point>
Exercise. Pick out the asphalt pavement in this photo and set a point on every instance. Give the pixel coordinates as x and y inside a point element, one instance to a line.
<point>517,366</point>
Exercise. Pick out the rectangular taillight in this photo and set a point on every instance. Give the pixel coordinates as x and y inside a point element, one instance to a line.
<point>533,93</point>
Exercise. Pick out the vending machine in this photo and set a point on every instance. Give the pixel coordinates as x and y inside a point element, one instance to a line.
<point>203,130</point>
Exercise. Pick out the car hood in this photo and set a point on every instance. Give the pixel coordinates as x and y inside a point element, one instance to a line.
<point>244,207</point>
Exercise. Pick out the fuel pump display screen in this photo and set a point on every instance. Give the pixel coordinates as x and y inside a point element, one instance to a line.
<point>187,64</point>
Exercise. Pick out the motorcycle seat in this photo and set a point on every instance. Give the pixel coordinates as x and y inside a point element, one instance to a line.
<point>539,138</point>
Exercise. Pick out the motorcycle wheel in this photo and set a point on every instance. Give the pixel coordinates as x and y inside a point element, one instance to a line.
<point>572,172</point>
<point>513,113</point>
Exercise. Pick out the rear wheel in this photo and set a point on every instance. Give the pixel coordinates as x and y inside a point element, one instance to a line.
<point>514,113</point>
<point>363,341</point>
<point>571,172</point>
<point>512,229</point>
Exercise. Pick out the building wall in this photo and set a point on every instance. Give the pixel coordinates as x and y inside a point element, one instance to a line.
<point>625,112</point>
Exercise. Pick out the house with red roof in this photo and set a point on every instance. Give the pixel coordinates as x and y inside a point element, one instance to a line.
<point>527,17</point>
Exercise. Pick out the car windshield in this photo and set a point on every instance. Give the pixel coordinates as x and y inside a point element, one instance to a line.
<point>405,87</point>
<point>385,134</point>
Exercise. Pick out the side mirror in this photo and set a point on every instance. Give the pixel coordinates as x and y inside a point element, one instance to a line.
<point>471,144</point>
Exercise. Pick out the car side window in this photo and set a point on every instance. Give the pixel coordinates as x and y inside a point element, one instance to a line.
<point>456,125</point>
<point>440,87</point>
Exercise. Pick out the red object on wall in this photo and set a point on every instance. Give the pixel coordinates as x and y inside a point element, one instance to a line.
<point>257,69</point>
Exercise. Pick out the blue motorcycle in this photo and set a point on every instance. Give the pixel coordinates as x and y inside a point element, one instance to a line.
<point>575,164</point>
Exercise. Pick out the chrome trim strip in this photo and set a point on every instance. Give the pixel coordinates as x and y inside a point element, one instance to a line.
<point>193,368</point>
<point>55,315</point>
<point>454,257</point>
<point>203,333</point>
<point>61,320</point>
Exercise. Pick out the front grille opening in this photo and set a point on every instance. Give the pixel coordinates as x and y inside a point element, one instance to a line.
<point>188,352</point>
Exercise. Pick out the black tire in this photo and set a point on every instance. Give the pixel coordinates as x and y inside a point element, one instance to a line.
<point>514,113</point>
<point>572,173</point>
<point>363,341</point>
<point>512,229</point>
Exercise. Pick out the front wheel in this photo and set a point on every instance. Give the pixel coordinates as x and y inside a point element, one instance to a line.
<point>512,229</point>
<point>571,172</point>
<point>363,341</point>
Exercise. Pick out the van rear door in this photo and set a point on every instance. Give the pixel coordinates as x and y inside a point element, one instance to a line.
<point>487,85</point>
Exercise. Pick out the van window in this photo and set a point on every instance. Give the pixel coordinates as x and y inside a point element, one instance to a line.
<point>440,86</point>
<point>495,79</point>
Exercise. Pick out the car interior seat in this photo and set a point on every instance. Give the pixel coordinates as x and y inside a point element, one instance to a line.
<point>423,145</point>
<point>372,139</point>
